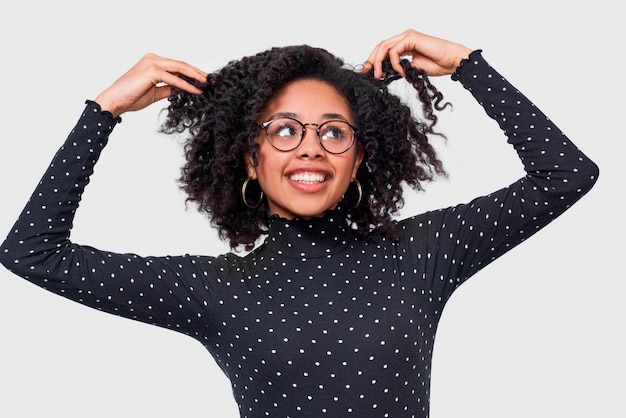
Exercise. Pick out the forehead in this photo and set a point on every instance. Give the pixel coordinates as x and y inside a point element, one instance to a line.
<point>308,98</point>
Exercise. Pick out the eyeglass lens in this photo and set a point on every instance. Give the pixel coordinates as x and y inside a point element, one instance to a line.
<point>285,134</point>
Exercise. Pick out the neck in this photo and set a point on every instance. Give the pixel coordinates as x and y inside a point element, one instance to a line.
<point>309,238</point>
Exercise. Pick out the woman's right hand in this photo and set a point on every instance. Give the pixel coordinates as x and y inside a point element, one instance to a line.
<point>149,80</point>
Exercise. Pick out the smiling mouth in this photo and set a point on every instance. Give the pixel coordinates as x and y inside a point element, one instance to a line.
<point>309,178</point>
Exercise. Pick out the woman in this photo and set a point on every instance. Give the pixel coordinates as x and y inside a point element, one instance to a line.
<point>335,312</point>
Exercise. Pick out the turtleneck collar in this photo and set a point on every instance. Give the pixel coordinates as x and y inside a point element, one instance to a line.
<point>308,238</point>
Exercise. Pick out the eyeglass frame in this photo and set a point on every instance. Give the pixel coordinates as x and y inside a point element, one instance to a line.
<point>266,124</point>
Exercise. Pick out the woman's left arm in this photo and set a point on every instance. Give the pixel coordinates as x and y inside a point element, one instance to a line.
<point>557,174</point>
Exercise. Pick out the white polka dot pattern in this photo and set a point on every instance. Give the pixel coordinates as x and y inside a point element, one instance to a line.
<point>314,322</point>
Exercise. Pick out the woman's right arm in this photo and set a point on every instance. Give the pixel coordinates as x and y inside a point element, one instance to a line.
<point>165,291</point>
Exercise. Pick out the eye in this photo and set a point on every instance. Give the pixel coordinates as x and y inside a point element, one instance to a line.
<point>282,128</point>
<point>335,130</point>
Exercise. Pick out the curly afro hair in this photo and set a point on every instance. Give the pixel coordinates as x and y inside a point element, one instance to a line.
<point>221,127</point>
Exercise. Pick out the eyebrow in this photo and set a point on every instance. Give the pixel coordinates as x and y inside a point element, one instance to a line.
<point>295,116</point>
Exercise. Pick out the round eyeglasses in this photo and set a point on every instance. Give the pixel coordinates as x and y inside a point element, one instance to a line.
<point>285,134</point>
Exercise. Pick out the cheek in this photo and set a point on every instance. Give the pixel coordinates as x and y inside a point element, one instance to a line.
<point>269,163</point>
<point>352,166</point>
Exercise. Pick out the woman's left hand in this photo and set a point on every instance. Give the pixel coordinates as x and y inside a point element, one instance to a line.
<point>435,56</point>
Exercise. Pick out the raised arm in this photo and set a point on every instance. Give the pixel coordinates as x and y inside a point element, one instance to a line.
<point>557,173</point>
<point>166,291</point>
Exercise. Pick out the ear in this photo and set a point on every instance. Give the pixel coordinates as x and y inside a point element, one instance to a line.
<point>250,166</point>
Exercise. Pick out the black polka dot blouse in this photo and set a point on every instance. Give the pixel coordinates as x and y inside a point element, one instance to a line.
<point>314,322</point>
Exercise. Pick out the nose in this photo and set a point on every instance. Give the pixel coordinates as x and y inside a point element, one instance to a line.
<point>310,146</point>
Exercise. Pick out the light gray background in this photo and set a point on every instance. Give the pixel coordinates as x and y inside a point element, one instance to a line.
<point>538,333</point>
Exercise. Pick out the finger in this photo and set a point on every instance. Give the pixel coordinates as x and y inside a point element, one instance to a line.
<point>366,67</point>
<point>156,65</point>
<point>394,58</point>
<point>404,45</point>
<point>179,68</point>
<point>370,63</point>
<point>382,51</point>
<point>161,92</point>
<point>175,81</point>
<point>193,72</point>
<point>376,59</point>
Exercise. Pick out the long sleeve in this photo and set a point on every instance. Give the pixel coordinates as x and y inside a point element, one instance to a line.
<point>463,239</point>
<point>166,291</point>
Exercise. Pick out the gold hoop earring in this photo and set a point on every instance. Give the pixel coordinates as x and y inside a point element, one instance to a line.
<point>360,190</point>
<point>243,195</point>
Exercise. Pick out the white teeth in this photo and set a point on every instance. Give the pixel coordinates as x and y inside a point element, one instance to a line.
<point>307,177</point>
